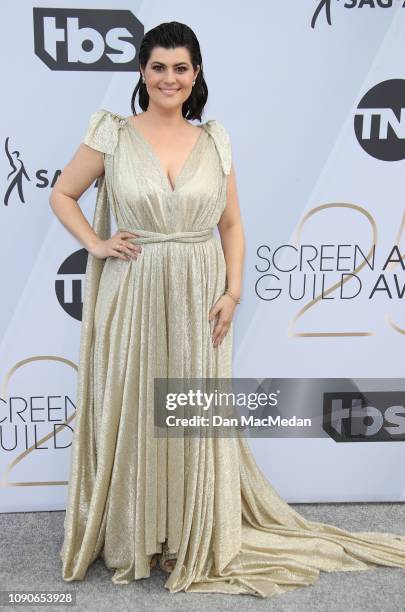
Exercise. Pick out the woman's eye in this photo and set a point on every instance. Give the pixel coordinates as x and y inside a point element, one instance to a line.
<point>180,68</point>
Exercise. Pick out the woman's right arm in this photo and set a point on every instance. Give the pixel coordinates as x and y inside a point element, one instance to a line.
<point>86,165</point>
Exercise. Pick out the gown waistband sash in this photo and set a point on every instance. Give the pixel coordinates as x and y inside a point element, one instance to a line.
<point>146,236</point>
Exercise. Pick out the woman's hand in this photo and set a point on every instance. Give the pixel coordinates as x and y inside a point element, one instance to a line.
<point>225,307</point>
<point>117,246</point>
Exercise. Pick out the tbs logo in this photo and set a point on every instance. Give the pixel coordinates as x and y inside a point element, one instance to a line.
<point>375,416</point>
<point>86,39</point>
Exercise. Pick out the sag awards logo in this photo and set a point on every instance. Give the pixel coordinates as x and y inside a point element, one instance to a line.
<point>87,39</point>
<point>341,270</point>
<point>301,270</point>
<point>35,420</point>
<point>18,176</point>
<point>324,7</point>
<point>379,122</point>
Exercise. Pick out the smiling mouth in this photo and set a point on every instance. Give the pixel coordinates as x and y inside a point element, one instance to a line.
<point>167,90</point>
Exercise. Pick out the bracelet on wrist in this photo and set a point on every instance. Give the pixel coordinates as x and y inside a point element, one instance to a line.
<point>235,299</point>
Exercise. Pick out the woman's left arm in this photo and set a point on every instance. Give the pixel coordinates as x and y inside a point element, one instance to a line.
<point>233,245</point>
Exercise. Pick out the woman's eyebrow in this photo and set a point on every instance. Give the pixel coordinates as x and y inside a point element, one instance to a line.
<point>162,64</point>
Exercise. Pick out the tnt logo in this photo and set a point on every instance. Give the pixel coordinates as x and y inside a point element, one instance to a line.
<point>379,123</point>
<point>70,283</point>
<point>375,416</point>
<point>86,39</point>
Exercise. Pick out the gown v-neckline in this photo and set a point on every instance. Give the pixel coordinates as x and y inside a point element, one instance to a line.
<point>172,188</point>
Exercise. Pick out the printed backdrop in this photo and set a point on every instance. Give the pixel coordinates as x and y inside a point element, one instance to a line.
<point>313,96</point>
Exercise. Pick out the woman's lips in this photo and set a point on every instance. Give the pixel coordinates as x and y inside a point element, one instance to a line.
<point>169,92</point>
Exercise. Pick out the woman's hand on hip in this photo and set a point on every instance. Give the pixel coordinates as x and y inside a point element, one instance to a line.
<point>117,246</point>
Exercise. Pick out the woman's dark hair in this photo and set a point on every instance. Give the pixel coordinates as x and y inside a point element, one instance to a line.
<point>171,35</point>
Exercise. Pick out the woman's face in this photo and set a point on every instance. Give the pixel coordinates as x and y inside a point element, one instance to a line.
<point>169,75</point>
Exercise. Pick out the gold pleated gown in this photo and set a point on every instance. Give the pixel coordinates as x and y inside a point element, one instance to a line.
<point>130,491</point>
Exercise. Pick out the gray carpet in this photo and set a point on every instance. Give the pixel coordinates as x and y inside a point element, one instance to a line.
<point>29,559</point>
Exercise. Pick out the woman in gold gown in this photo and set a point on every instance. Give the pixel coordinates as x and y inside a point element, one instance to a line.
<point>150,288</point>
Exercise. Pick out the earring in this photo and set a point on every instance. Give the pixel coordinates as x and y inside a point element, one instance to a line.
<point>193,83</point>
<point>143,79</point>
